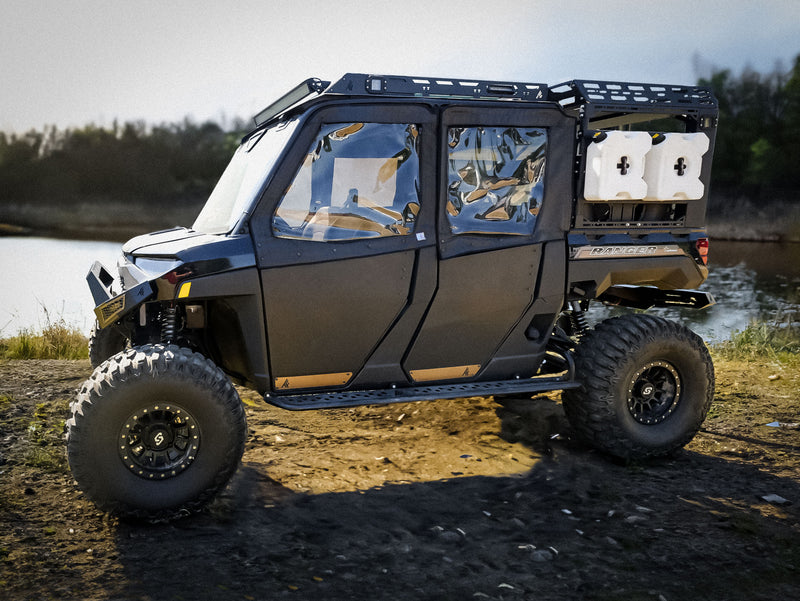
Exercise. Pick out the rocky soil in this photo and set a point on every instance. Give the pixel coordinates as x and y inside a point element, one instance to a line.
<point>463,499</point>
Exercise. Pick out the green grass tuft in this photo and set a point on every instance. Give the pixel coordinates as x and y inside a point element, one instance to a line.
<point>45,435</point>
<point>778,340</point>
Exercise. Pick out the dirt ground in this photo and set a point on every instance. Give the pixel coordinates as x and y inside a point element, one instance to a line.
<point>463,499</point>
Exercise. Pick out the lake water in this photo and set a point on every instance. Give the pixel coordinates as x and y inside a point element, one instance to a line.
<point>749,280</point>
<point>44,278</point>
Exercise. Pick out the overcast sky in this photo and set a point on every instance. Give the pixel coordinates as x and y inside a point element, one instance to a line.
<point>74,62</point>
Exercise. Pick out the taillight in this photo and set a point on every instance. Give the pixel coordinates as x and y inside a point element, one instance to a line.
<point>702,249</point>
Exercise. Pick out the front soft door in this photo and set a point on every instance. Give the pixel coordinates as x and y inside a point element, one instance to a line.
<point>343,236</point>
<point>324,320</point>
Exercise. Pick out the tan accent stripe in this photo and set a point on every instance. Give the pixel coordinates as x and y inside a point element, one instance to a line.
<point>312,381</point>
<point>444,373</point>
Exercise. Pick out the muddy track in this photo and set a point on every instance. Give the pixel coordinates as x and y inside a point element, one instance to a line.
<point>457,499</point>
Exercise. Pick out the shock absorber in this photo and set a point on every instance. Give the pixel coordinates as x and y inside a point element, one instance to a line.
<point>169,324</point>
<point>578,319</point>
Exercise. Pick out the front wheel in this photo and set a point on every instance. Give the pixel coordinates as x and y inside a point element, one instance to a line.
<point>646,386</point>
<point>105,342</point>
<point>156,431</point>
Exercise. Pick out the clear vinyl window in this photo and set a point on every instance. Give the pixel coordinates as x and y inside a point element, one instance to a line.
<point>495,179</point>
<point>358,180</point>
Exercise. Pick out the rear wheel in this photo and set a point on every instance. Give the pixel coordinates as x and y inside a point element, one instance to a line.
<point>646,386</point>
<point>156,431</point>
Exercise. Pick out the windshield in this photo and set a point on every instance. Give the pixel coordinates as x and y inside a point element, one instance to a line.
<point>242,179</point>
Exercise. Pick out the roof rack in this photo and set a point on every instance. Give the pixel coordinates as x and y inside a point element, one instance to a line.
<point>360,84</point>
<point>607,104</point>
<point>599,104</point>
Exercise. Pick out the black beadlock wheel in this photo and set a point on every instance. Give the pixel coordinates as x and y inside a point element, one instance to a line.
<point>654,392</point>
<point>159,441</point>
<point>646,386</point>
<point>155,432</point>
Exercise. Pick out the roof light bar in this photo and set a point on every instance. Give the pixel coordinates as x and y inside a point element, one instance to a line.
<point>288,100</point>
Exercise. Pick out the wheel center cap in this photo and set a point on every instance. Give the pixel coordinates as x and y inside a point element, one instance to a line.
<point>159,439</point>
<point>648,390</point>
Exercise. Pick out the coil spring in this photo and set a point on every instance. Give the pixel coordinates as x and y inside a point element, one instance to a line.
<point>169,324</point>
<point>578,320</point>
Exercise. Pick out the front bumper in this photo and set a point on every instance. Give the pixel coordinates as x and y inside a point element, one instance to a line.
<point>108,306</point>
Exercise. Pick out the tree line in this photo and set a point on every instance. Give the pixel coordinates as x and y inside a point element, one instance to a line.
<point>757,152</point>
<point>758,141</point>
<point>178,162</point>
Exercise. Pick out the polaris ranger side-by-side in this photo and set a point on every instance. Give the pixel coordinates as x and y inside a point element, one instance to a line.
<point>390,239</point>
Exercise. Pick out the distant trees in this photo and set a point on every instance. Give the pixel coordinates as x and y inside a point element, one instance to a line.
<point>758,142</point>
<point>131,162</point>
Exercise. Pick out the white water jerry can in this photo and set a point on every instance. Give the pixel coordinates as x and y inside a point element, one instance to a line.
<point>615,163</point>
<point>672,167</point>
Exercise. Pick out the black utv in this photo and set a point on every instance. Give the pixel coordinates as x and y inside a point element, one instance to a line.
<point>390,239</point>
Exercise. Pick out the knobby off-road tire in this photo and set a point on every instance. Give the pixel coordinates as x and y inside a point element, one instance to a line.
<point>155,432</point>
<point>646,386</point>
<point>104,343</point>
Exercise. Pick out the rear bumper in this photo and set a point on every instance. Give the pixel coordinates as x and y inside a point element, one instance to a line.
<point>644,297</point>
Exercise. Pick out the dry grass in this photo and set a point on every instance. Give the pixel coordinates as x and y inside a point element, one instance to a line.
<point>777,340</point>
<point>732,217</point>
<point>56,340</point>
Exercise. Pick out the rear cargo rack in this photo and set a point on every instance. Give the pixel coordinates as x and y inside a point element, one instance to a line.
<point>670,125</point>
<point>606,104</point>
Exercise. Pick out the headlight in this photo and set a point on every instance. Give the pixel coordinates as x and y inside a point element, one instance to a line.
<point>155,267</point>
